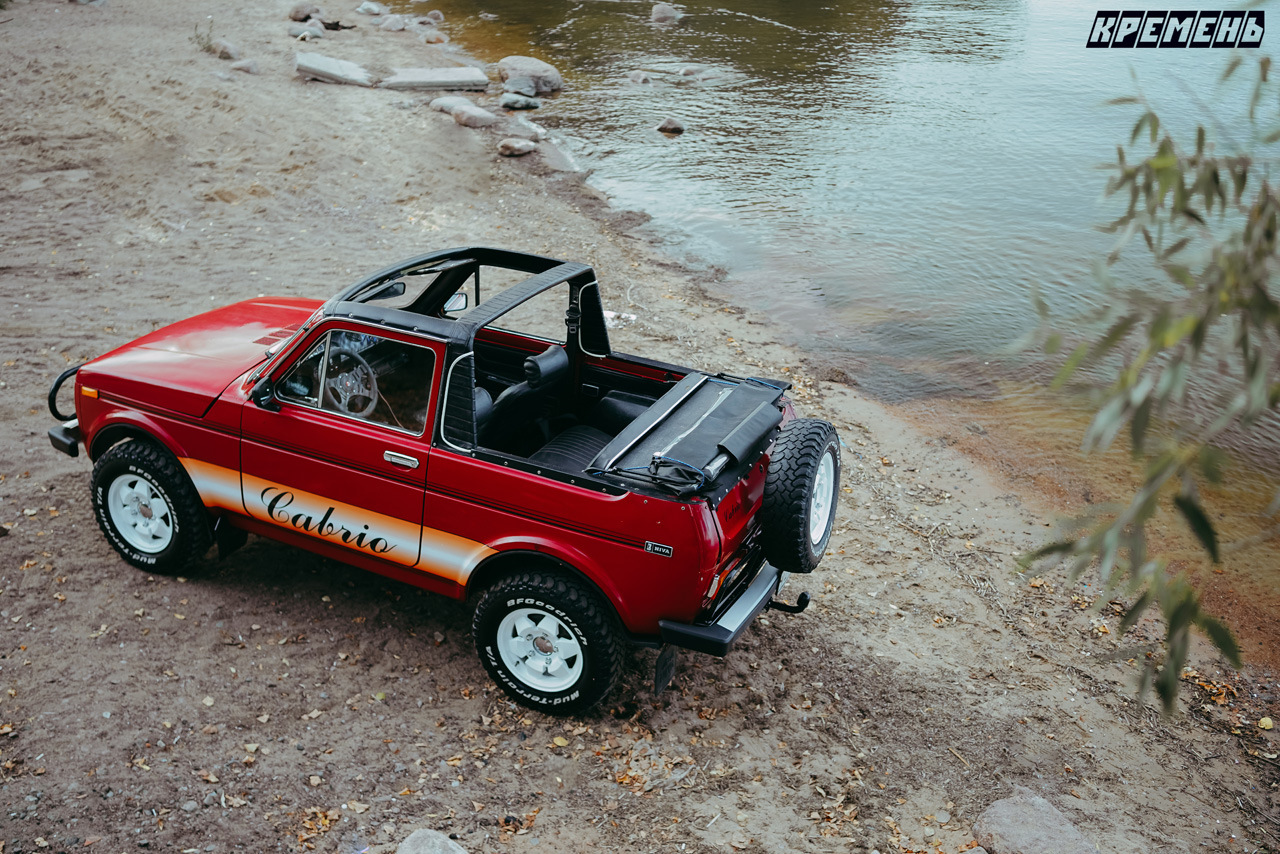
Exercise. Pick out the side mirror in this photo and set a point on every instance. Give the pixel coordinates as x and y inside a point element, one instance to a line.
<point>263,394</point>
<point>395,289</point>
<point>457,302</point>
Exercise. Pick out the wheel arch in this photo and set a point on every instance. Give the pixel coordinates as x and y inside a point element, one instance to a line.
<point>511,559</point>
<point>129,426</point>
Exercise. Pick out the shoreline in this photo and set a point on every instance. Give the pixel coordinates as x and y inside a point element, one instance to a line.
<point>151,183</point>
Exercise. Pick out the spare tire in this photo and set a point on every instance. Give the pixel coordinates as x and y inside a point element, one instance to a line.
<point>800,495</point>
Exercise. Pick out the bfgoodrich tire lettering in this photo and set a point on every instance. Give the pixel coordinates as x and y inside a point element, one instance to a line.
<point>801,492</point>
<point>548,641</point>
<point>148,509</point>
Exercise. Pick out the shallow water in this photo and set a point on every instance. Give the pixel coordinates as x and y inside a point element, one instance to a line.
<point>890,179</point>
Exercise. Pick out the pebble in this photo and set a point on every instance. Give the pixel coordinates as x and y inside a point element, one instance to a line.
<point>436,16</point>
<point>302,11</point>
<point>664,13</point>
<point>190,806</point>
<point>513,147</point>
<point>224,49</point>
<point>639,76</point>
<point>473,117</point>
<point>942,816</point>
<point>371,8</point>
<point>671,126</point>
<point>305,31</point>
<point>248,66</point>
<point>512,101</point>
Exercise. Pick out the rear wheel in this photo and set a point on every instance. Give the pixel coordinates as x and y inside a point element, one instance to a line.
<point>548,641</point>
<point>800,494</point>
<point>148,509</point>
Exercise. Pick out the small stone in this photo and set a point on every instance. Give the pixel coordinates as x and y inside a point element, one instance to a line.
<point>370,8</point>
<point>672,126</point>
<point>520,86</point>
<point>424,841</point>
<point>512,101</point>
<point>190,806</point>
<point>545,76</point>
<point>433,36</point>
<point>639,76</point>
<point>473,117</point>
<point>449,103</point>
<point>393,23</point>
<point>942,816</point>
<point>224,49</point>
<point>302,11</point>
<point>306,32</point>
<point>513,147</point>
<point>1028,824</point>
<point>436,16</point>
<point>664,13</point>
<point>248,66</point>
<point>929,832</point>
<point>211,799</point>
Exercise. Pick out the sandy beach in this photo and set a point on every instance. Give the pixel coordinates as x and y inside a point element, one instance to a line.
<point>282,702</point>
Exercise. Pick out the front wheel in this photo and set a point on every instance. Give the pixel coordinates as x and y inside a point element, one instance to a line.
<point>548,641</point>
<point>148,508</point>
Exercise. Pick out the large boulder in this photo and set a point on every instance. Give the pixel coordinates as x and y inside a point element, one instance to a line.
<point>544,75</point>
<point>425,841</point>
<point>1028,824</point>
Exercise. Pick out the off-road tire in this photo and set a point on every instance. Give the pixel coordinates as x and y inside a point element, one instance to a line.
<point>570,609</point>
<point>186,523</point>
<point>789,503</point>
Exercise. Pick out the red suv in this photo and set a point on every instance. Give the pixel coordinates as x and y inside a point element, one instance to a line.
<point>495,449</point>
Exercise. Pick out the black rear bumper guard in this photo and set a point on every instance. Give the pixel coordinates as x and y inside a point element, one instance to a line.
<point>717,636</point>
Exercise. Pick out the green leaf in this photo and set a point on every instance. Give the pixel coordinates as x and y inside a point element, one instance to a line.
<point>1221,637</point>
<point>1199,524</point>
<point>1069,367</point>
<point>1132,616</point>
<point>1138,425</point>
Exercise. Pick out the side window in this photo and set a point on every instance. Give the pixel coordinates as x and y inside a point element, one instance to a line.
<point>364,376</point>
<point>302,384</point>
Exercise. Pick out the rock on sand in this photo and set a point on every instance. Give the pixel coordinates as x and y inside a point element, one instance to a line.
<point>317,67</point>
<point>513,147</point>
<point>303,11</point>
<point>544,75</point>
<point>424,841</point>
<point>1028,824</point>
<point>471,116</point>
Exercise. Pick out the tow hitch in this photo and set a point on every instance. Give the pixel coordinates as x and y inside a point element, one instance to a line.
<point>802,602</point>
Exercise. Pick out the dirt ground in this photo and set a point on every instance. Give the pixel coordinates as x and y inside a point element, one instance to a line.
<point>282,702</point>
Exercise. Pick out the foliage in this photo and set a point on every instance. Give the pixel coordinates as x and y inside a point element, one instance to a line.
<point>1189,361</point>
<point>204,39</point>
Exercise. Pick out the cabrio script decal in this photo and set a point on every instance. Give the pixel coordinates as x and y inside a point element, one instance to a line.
<point>277,501</point>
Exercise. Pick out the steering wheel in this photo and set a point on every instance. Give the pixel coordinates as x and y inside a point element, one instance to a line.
<point>350,385</point>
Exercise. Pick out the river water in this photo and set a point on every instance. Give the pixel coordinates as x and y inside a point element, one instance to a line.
<point>890,179</point>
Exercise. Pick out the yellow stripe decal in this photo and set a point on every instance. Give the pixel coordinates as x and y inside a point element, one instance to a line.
<point>356,528</point>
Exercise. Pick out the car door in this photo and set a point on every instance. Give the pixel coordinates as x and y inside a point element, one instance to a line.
<point>338,456</point>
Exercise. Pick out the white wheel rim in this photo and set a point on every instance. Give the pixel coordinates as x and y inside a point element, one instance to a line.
<point>822,501</point>
<point>539,650</point>
<point>140,514</point>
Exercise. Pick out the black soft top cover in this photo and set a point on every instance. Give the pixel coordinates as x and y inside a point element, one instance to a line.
<point>699,418</point>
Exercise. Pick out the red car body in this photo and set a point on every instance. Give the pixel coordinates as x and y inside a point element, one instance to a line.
<point>428,506</point>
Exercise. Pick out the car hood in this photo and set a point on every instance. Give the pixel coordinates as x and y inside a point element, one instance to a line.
<point>185,366</point>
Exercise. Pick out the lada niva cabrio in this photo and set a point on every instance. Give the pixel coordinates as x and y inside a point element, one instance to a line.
<point>459,422</point>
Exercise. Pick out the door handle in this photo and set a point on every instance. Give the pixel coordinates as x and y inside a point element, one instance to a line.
<point>403,460</point>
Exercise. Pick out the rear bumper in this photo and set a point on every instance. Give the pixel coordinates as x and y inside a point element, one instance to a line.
<point>66,438</point>
<point>717,637</point>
